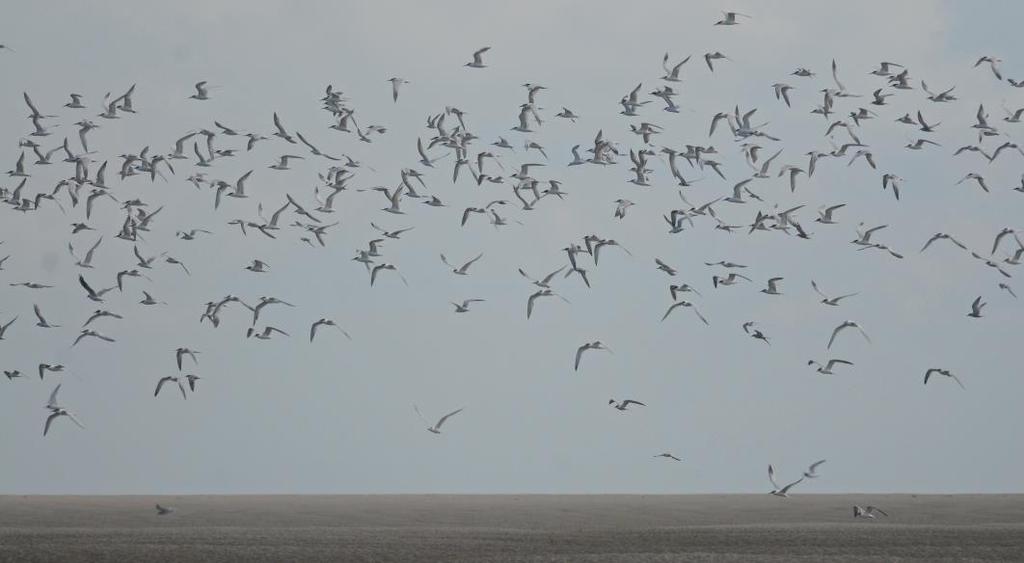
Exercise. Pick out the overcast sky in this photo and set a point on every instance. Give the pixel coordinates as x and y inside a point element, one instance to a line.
<point>287,416</point>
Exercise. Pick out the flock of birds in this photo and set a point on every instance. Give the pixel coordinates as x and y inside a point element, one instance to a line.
<point>193,156</point>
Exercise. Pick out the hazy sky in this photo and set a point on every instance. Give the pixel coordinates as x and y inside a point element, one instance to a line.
<point>335,416</point>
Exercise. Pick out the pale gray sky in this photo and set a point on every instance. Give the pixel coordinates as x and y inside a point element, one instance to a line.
<point>286,416</point>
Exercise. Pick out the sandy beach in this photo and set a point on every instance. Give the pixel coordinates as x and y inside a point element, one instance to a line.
<point>511,528</point>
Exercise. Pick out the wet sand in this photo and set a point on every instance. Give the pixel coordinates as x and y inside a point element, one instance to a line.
<point>478,528</point>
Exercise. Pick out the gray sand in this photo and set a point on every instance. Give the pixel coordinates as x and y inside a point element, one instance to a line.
<point>512,528</point>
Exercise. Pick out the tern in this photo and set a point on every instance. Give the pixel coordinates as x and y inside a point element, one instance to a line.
<point>182,352</point>
<point>992,62</point>
<point>464,306</point>
<point>98,313</point>
<point>731,279</point>
<point>687,304</point>
<point>668,455</point>
<point>85,262</point>
<point>58,368</point>
<point>596,345</point>
<point>436,428</point>
<point>282,163</point>
<point>783,491</point>
<point>385,266</point>
<point>825,214</point>
<point>665,267</point>
<point>4,327</point>
<point>395,84</point>
<point>730,18</point>
<point>462,270</point>
<point>546,292</point>
<point>810,473</point>
<point>827,368</point>
<point>57,411</point>
<point>202,91</point>
<point>42,323</point>
<point>843,326</point>
<point>165,379</point>
<point>163,510</point>
<point>623,405</point>
<point>976,307</point>
<point>326,322</point>
<point>867,512</point>
<point>478,61</point>
<point>928,374</point>
<point>91,293</point>
<point>942,236</point>
<point>773,287</point>
<point>266,334</point>
<point>87,333</point>
<point>748,327</point>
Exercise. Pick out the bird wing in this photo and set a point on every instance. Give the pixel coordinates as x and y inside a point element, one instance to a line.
<point>835,333</point>
<point>470,263</point>
<point>446,417</point>
<point>818,291</point>
<point>160,385</point>
<point>52,403</point>
<point>419,414</point>
<point>671,308</point>
<point>49,420</point>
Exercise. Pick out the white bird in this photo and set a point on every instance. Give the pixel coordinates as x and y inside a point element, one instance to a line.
<point>267,334</point>
<point>546,292</point>
<point>867,512</point>
<point>942,236</point>
<point>478,61</point>
<point>665,267</point>
<point>833,301</point>
<point>810,473</point>
<point>257,266</point>
<point>596,345</point>
<point>326,322</point>
<point>623,405</point>
<point>773,287</point>
<point>282,162</point>
<point>687,304</point>
<point>462,270</point>
<point>180,353</point>
<point>543,282</point>
<point>976,307</point>
<point>165,379</point>
<point>843,326</point>
<point>783,491</point>
<point>730,18</point>
<point>3,328</point>
<point>85,262</point>
<point>464,306</point>
<point>395,83</point>
<point>436,428</point>
<point>992,62</point>
<point>928,374</point>
<point>385,266</point>
<point>87,333</point>
<point>202,92</point>
<point>163,510</point>
<point>56,411</point>
<point>42,323</point>
<point>827,368</point>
